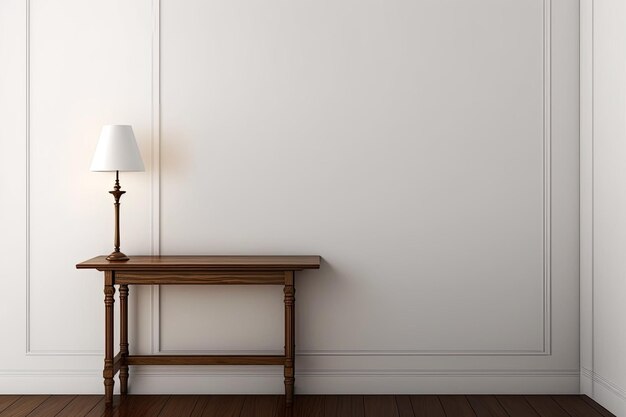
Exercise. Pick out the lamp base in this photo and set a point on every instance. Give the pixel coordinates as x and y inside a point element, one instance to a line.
<point>117,256</point>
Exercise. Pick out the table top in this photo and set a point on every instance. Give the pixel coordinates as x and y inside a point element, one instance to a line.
<point>232,262</point>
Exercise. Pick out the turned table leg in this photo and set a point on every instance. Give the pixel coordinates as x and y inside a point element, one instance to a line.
<point>108,373</point>
<point>289,340</point>
<point>123,338</point>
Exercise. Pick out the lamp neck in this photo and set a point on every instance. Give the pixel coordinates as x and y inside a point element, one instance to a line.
<point>117,193</point>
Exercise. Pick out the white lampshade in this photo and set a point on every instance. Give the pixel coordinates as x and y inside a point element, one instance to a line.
<point>117,150</point>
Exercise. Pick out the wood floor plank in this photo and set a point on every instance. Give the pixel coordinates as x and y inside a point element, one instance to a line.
<point>179,406</point>
<point>80,406</point>
<point>248,407</point>
<point>380,406</point>
<point>575,406</point>
<point>201,404</point>
<point>53,405</point>
<point>24,405</point>
<point>308,406</point>
<point>305,406</point>
<point>280,407</point>
<point>101,409</point>
<point>405,409</point>
<point>603,411</point>
<point>352,406</point>
<point>259,406</point>
<point>219,406</point>
<point>456,405</point>
<point>486,406</point>
<point>516,406</point>
<point>140,406</point>
<point>545,406</point>
<point>331,404</point>
<point>7,400</point>
<point>268,408</point>
<point>427,406</point>
<point>343,406</point>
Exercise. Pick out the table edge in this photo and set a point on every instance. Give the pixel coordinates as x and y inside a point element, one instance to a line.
<point>278,266</point>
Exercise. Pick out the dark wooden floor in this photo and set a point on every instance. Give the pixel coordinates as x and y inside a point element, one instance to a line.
<point>306,406</point>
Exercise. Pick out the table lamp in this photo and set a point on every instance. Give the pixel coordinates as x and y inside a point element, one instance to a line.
<point>117,151</point>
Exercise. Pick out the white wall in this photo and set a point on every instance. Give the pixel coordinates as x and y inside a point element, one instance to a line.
<point>603,202</point>
<point>427,150</point>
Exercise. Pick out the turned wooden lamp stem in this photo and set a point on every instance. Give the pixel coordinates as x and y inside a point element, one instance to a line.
<point>116,255</point>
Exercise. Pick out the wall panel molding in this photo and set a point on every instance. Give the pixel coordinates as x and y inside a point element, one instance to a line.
<point>586,195</point>
<point>154,209</point>
<point>544,349</point>
<point>29,350</point>
<point>155,218</point>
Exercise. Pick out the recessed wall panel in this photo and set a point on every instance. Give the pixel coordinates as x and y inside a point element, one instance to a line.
<point>89,65</point>
<point>403,141</point>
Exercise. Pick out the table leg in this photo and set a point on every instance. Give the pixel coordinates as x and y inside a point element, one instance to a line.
<point>289,340</point>
<point>109,292</point>
<point>123,338</point>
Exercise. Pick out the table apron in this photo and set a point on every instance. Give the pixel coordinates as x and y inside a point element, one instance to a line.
<point>200,277</point>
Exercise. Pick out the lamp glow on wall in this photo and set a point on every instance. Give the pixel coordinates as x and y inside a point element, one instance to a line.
<point>117,151</point>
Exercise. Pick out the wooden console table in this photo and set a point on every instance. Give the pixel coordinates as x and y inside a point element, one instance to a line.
<point>192,270</point>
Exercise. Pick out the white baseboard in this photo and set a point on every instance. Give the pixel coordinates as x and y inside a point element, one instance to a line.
<point>608,394</point>
<point>186,380</point>
<point>50,382</point>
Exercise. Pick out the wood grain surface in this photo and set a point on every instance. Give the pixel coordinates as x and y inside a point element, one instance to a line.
<point>305,406</point>
<point>146,263</point>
